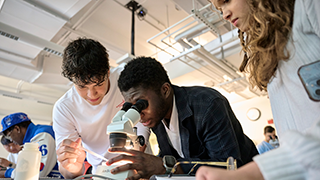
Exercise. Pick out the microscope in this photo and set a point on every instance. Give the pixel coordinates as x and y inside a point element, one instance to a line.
<point>274,142</point>
<point>122,133</point>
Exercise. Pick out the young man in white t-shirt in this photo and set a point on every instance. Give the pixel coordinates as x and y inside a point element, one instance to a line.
<point>82,114</point>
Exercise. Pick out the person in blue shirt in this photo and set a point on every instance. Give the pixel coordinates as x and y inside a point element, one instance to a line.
<point>270,140</point>
<point>19,128</point>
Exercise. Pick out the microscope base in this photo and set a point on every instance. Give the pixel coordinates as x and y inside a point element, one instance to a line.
<point>104,170</point>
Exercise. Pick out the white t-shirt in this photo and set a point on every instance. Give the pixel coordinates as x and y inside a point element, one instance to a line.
<point>74,117</point>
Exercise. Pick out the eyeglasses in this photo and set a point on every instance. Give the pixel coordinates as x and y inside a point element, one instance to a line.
<point>231,164</point>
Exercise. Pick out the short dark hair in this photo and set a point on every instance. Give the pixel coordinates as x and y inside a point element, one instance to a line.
<point>268,129</point>
<point>145,72</point>
<point>5,141</point>
<point>24,124</point>
<point>85,61</point>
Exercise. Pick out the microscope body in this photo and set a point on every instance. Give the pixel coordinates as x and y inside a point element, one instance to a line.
<point>122,133</point>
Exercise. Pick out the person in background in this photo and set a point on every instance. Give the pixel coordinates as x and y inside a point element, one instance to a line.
<point>280,37</point>
<point>19,128</point>
<point>270,140</point>
<point>191,123</point>
<point>82,114</point>
<point>11,161</point>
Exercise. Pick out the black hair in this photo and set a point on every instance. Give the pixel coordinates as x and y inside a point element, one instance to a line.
<point>145,72</point>
<point>5,141</point>
<point>268,129</point>
<point>85,61</point>
<point>24,124</point>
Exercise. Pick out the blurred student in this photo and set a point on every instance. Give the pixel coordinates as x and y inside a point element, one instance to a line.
<point>11,161</point>
<point>280,37</point>
<point>19,128</point>
<point>270,140</point>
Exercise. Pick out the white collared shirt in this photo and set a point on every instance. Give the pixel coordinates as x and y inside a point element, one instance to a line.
<point>173,133</point>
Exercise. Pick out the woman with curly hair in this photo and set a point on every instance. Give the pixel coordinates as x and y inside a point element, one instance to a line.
<point>277,38</point>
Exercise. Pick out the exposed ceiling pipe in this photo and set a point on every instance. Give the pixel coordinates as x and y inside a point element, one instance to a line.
<point>19,85</point>
<point>196,30</point>
<point>213,64</point>
<point>217,62</point>
<point>164,31</point>
<point>215,77</point>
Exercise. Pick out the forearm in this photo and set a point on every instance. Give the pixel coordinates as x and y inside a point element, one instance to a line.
<point>2,172</point>
<point>70,175</point>
<point>4,162</point>
<point>249,171</point>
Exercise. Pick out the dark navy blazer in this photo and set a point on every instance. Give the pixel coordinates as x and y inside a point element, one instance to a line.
<point>209,130</point>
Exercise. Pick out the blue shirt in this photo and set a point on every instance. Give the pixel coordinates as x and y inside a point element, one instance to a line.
<point>264,147</point>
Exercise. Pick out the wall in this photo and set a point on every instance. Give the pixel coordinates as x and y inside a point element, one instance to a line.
<point>253,129</point>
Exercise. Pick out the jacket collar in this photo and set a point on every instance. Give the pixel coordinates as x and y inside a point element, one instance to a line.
<point>182,103</point>
<point>29,133</point>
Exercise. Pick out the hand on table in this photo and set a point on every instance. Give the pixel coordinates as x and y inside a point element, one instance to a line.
<point>70,156</point>
<point>249,171</point>
<point>145,165</point>
<point>4,162</point>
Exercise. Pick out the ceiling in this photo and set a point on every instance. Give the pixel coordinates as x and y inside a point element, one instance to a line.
<point>195,45</point>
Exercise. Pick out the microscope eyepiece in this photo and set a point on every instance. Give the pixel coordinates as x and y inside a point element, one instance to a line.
<point>126,106</point>
<point>140,105</point>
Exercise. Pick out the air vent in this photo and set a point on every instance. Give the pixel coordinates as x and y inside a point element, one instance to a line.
<point>9,35</point>
<point>16,97</point>
<point>42,102</point>
<point>53,51</point>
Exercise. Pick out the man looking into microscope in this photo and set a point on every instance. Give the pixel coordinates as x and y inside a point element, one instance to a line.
<point>191,123</point>
<point>82,114</point>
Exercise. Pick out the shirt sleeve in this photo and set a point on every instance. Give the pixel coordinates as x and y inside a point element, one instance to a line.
<point>313,13</point>
<point>63,125</point>
<point>48,152</point>
<point>9,173</point>
<point>296,158</point>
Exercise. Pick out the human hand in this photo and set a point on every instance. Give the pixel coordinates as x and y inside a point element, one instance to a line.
<point>4,162</point>
<point>70,156</point>
<point>146,165</point>
<point>209,173</point>
<point>249,171</point>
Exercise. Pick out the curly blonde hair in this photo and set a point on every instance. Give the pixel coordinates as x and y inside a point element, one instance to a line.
<point>266,39</point>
